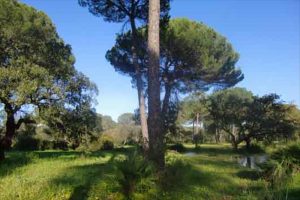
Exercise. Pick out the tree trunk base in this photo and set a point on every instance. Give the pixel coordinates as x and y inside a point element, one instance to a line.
<point>248,144</point>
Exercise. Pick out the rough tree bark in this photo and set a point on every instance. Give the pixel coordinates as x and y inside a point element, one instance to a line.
<point>217,136</point>
<point>156,143</point>
<point>140,89</point>
<point>248,143</point>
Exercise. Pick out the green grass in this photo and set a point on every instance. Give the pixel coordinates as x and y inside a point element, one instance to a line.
<point>212,173</point>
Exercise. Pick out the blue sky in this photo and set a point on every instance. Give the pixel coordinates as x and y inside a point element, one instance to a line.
<point>266,33</point>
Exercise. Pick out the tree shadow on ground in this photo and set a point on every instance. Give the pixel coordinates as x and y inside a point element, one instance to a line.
<point>13,161</point>
<point>83,177</point>
<point>76,154</point>
<point>211,150</point>
<point>183,178</point>
<point>249,174</point>
<point>225,150</point>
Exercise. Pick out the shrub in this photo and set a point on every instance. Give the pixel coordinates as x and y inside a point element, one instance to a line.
<point>106,143</point>
<point>177,147</point>
<point>27,143</point>
<point>278,171</point>
<point>47,144</point>
<point>60,144</point>
<point>131,172</point>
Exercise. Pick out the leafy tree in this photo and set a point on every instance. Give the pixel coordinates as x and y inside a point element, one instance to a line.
<point>193,109</point>
<point>212,64</point>
<point>36,67</point>
<point>107,122</point>
<point>246,117</point>
<point>129,11</point>
<point>228,109</point>
<point>267,119</point>
<point>78,126</point>
<point>293,115</point>
<point>126,119</point>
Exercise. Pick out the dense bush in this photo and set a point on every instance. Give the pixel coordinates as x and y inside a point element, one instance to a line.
<point>60,144</point>
<point>279,170</point>
<point>107,144</point>
<point>28,143</point>
<point>32,143</point>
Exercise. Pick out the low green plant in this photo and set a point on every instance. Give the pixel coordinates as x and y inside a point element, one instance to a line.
<point>279,170</point>
<point>132,171</point>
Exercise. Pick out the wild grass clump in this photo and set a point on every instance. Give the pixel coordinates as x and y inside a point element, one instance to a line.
<point>278,172</point>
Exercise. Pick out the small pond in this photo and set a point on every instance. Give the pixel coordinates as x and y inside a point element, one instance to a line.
<point>190,154</point>
<point>252,161</point>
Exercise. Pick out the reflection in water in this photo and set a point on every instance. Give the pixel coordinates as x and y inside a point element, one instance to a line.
<point>190,154</point>
<point>252,161</point>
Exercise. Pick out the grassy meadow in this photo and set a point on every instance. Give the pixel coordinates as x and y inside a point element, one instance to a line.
<point>212,172</point>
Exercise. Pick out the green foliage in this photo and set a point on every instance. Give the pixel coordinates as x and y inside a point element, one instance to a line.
<point>131,171</point>
<point>126,119</point>
<point>124,134</point>
<point>279,171</point>
<point>107,122</point>
<point>213,64</point>
<point>246,117</point>
<point>116,11</point>
<point>37,72</point>
<point>27,72</point>
<point>28,143</point>
<point>106,143</point>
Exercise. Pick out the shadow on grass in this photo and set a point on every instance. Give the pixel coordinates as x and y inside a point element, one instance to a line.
<point>13,161</point>
<point>76,154</point>
<point>82,178</point>
<point>185,179</point>
<point>294,194</point>
<point>211,150</point>
<point>249,174</point>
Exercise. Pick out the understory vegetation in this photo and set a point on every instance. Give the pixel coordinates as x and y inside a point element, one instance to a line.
<point>211,172</point>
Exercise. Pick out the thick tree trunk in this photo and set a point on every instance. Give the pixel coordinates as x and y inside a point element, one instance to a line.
<point>217,136</point>
<point>197,123</point>
<point>234,145</point>
<point>248,143</point>
<point>140,89</point>
<point>6,141</point>
<point>156,143</point>
<point>193,129</point>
